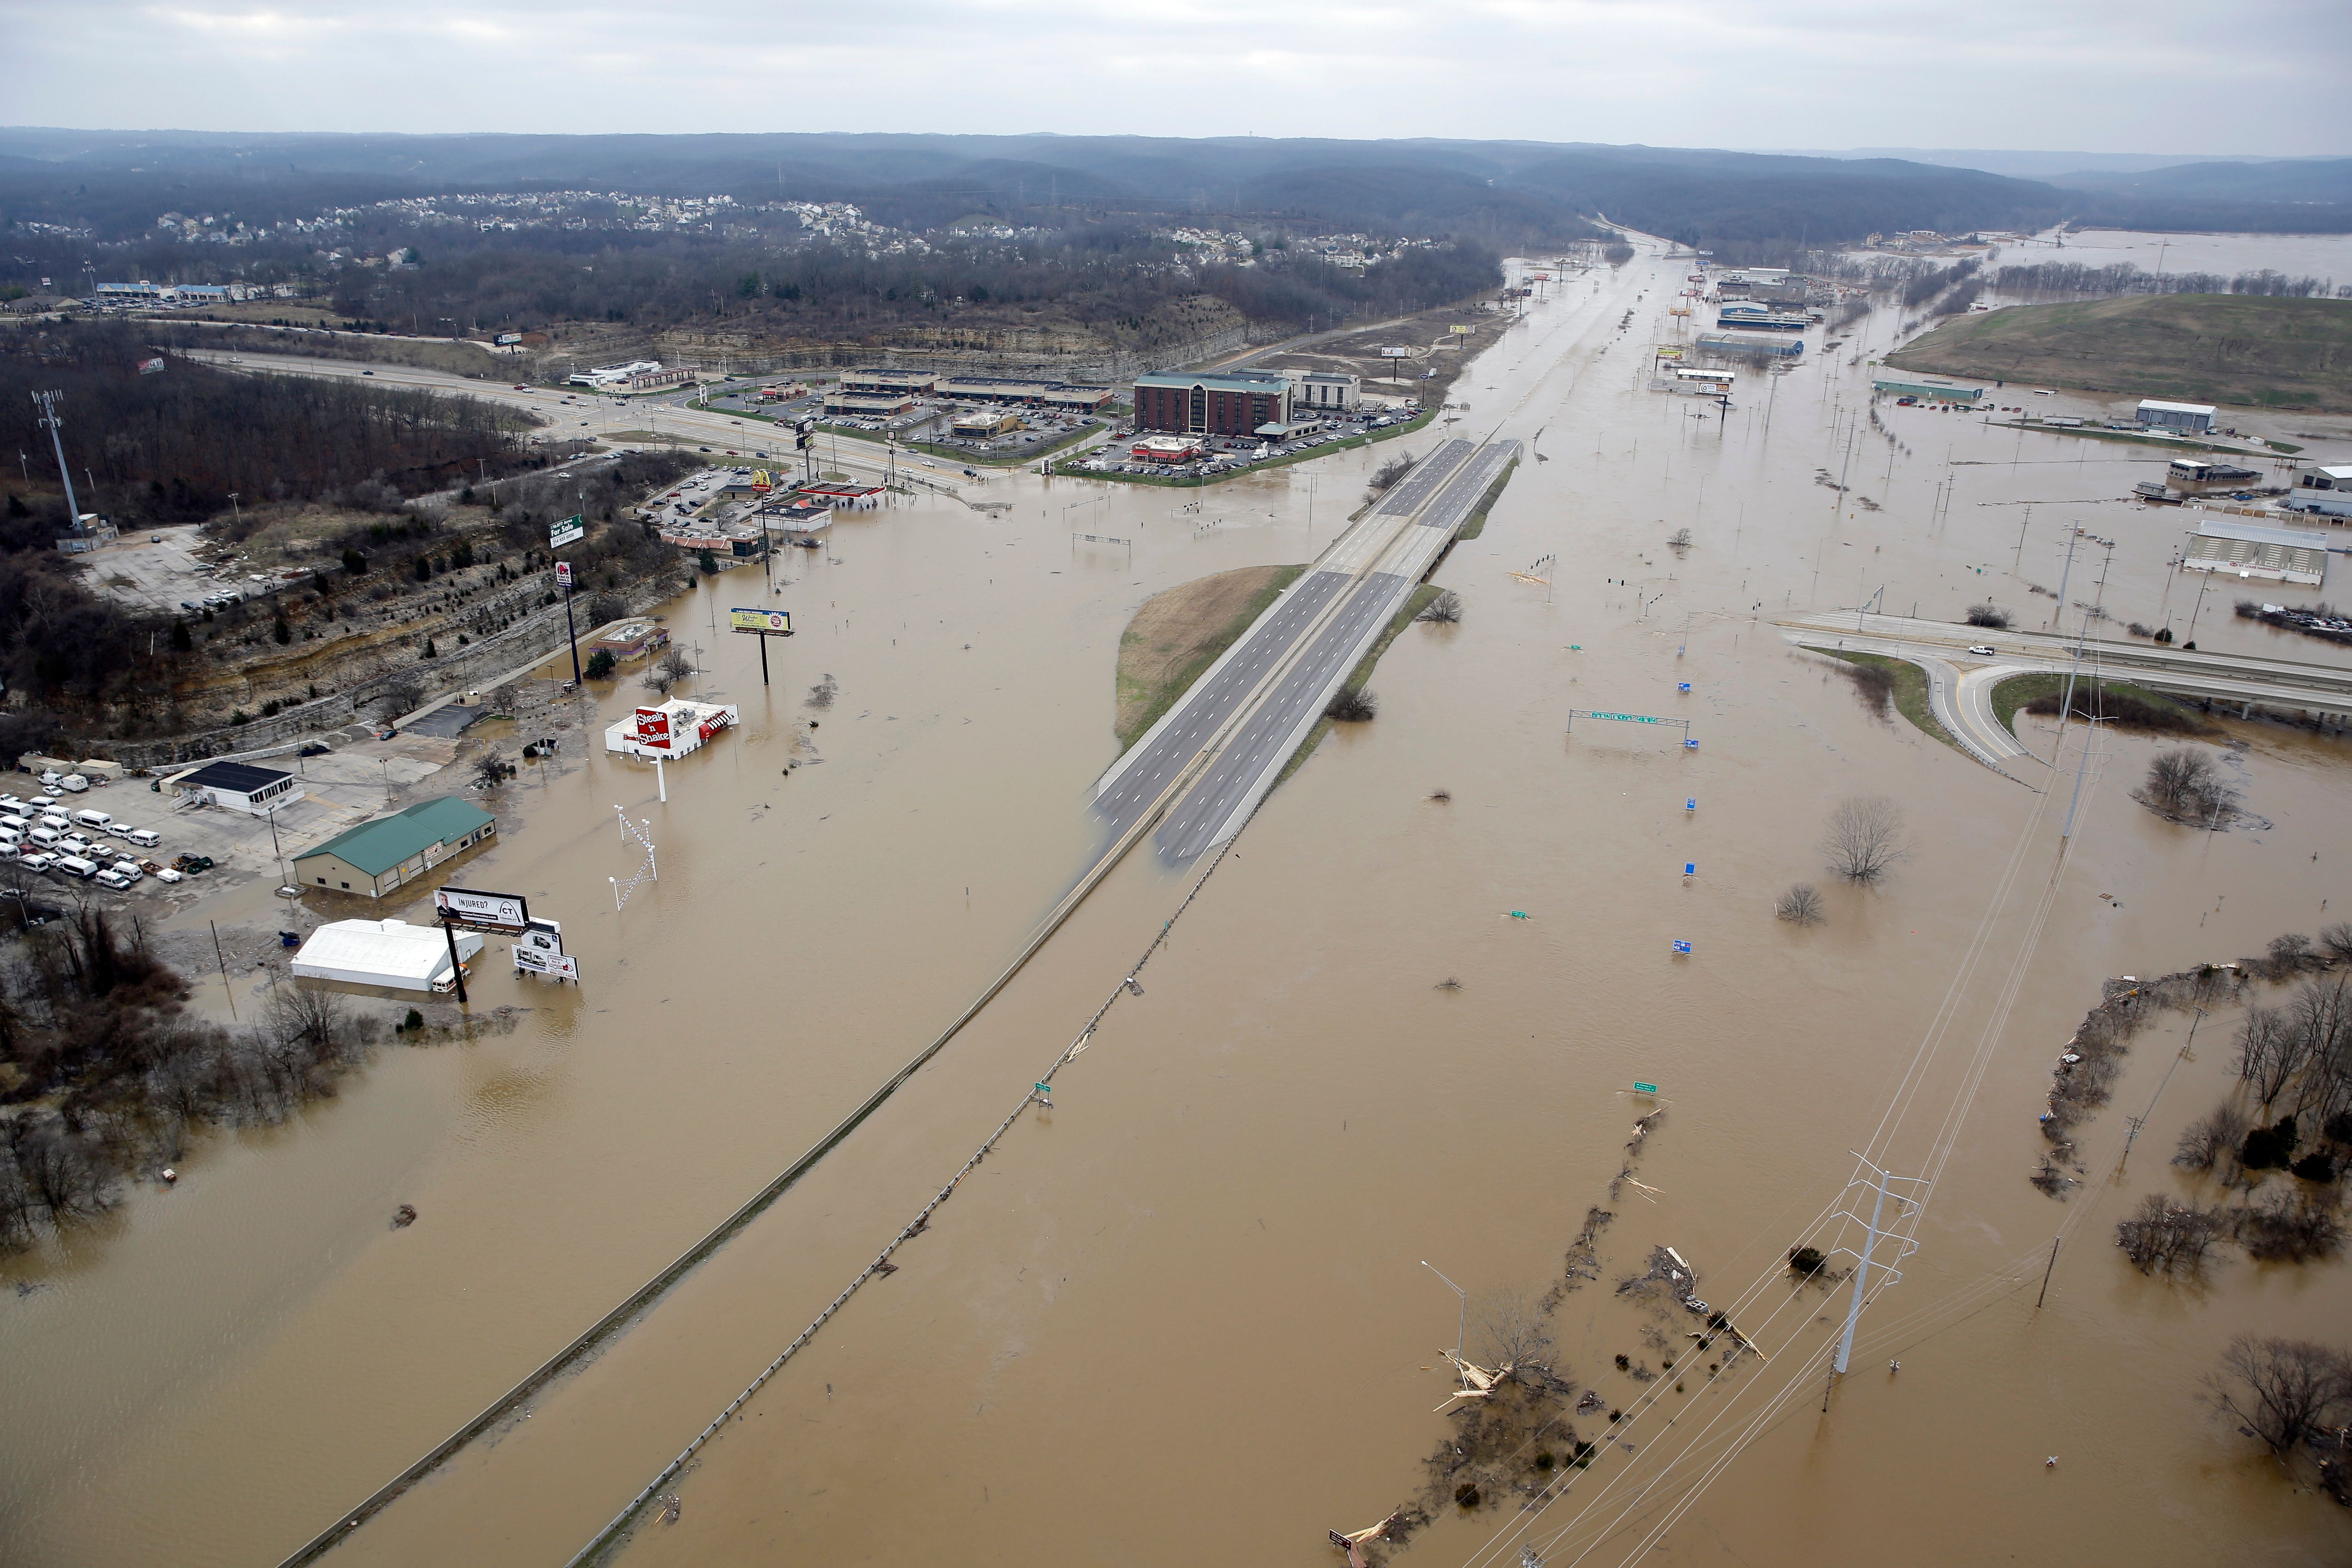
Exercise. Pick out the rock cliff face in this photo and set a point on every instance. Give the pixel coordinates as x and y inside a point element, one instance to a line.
<point>1182,332</point>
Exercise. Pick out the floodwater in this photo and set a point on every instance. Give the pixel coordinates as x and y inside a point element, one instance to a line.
<point>1183,1316</point>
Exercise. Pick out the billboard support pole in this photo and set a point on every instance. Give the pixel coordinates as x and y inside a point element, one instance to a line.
<point>457,965</point>
<point>661,781</point>
<point>571,633</point>
<point>764,661</point>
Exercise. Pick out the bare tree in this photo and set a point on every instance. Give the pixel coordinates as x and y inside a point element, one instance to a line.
<point>1446,609</point>
<point>1511,1333</point>
<point>2185,785</point>
<point>318,1019</point>
<point>2212,1138</point>
<point>2280,1391</point>
<point>1989,615</point>
<point>1864,838</point>
<point>1352,705</point>
<point>667,671</point>
<point>405,695</point>
<point>491,768</point>
<point>2271,1051</point>
<point>2164,1236</point>
<point>1679,540</point>
<point>1802,903</point>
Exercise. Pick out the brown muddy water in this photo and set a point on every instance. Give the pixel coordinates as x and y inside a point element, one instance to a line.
<point>1182,1316</point>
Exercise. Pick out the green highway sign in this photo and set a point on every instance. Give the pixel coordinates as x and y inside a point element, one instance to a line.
<point>1641,1088</point>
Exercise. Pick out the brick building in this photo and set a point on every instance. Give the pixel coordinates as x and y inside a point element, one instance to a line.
<point>1226,402</point>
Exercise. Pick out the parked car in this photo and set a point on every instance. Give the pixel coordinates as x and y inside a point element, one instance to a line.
<point>10,803</point>
<point>38,860</point>
<point>164,873</point>
<point>77,865</point>
<point>194,863</point>
<point>93,821</point>
<point>110,878</point>
<point>128,868</point>
<point>42,802</point>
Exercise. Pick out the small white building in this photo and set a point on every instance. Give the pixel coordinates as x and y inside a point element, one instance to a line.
<point>237,787</point>
<point>2195,418</point>
<point>671,730</point>
<point>383,952</point>
<point>1324,392</point>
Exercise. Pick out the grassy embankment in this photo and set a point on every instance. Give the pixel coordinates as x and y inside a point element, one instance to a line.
<point>2131,706</point>
<point>1909,691</point>
<point>1177,634</point>
<point>2252,350</point>
<point>1190,481</point>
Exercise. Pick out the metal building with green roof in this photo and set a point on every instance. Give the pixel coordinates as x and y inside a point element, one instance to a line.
<point>376,857</point>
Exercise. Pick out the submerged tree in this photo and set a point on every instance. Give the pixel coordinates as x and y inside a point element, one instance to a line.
<point>2280,1391</point>
<point>1802,903</point>
<point>1864,838</point>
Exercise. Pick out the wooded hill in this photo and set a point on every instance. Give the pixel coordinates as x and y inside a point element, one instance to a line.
<point>2249,350</point>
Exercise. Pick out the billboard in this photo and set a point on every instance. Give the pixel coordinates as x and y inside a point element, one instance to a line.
<point>652,727</point>
<point>760,623</point>
<point>564,575</point>
<point>571,531</point>
<point>539,961</point>
<point>762,481</point>
<point>1396,354</point>
<point>498,912</point>
<point>1458,330</point>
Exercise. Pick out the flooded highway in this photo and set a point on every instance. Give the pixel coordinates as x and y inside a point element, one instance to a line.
<point>1181,1314</point>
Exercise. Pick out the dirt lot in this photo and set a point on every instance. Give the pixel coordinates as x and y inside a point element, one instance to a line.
<point>1179,634</point>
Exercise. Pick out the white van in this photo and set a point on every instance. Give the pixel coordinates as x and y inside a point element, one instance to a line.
<point>74,865</point>
<point>43,837</point>
<point>131,868</point>
<point>14,823</point>
<point>11,840</point>
<point>73,784</point>
<point>96,821</point>
<point>145,838</point>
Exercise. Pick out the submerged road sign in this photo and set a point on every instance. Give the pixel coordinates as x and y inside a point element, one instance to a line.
<point>1641,1088</point>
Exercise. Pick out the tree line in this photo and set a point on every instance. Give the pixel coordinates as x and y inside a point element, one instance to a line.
<point>2123,278</point>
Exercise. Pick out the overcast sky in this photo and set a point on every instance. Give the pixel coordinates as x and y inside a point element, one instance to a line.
<point>2161,76</point>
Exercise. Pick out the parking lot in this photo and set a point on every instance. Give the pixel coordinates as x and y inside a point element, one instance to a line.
<point>339,789</point>
<point>154,569</point>
<point>1231,454</point>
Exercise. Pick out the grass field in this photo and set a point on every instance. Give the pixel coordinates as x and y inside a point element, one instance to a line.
<point>1177,634</point>
<point>1910,692</point>
<point>2130,707</point>
<point>2252,350</point>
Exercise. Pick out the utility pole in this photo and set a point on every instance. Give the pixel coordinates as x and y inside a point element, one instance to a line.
<point>2045,1273</point>
<point>46,402</point>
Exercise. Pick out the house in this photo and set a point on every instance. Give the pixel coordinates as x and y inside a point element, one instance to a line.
<point>375,857</point>
<point>391,954</point>
<point>237,787</point>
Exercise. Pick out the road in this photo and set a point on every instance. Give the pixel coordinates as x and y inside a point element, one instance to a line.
<point>1221,747</point>
<point>1960,684</point>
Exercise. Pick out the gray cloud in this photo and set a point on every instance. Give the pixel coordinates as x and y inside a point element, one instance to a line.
<point>2167,76</point>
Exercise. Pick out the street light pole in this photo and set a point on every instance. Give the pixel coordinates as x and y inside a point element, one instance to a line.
<point>1462,1318</point>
